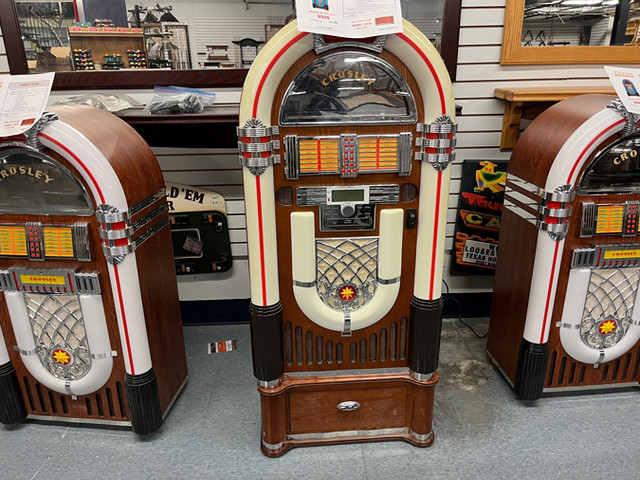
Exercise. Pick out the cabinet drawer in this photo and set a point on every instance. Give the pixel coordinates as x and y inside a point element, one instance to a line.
<point>317,411</point>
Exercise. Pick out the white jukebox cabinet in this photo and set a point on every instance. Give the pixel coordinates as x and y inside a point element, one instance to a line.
<point>90,326</point>
<point>346,146</point>
<point>564,315</point>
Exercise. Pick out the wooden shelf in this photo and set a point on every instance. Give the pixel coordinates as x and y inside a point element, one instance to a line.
<point>109,41</point>
<point>529,102</point>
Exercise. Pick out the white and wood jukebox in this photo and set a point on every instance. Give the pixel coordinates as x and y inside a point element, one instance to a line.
<point>346,146</point>
<point>90,326</point>
<point>564,315</point>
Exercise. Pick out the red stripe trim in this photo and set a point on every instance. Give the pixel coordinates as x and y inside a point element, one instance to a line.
<point>125,328</point>
<point>263,272</point>
<point>263,268</point>
<point>443,105</point>
<point>443,108</point>
<point>434,248</point>
<point>270,67</point>
<point>570,181</point>
<point>548,303</point>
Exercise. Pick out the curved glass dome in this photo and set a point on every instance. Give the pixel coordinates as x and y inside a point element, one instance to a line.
<point>348,88</point>
<point>32,183</point>
<point>616,169</point>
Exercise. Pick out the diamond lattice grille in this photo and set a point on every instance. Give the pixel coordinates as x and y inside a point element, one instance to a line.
<point>609,306</point>
<point>59,332</point>
<point>346,261</point>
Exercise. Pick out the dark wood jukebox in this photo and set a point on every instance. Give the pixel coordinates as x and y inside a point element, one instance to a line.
<point>564,314</point>
<point>346,146</point>
<point>90,324</point>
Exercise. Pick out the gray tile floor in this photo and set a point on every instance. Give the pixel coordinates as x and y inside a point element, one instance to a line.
<point>482,431</point>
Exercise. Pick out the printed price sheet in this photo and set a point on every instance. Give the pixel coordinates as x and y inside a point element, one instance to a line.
<point>349,18</point>
<point>626,82</point>
<point>23,98</point>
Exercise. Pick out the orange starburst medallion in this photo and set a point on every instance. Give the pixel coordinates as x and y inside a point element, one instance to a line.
<point>61,357</point>
<point>607,327</point>
<point>347,293</point>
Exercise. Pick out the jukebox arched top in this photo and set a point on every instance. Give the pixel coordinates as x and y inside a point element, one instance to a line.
<point>34,183</point>
<point>615,169</point>
<point>348,87</point>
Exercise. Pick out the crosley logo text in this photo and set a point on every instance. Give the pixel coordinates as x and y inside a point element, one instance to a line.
<point>8,172</point>
<point>625,156</point>
<point>340,74</point>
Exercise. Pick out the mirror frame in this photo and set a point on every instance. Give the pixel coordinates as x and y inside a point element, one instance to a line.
<point>514,54</point>
<point>201,78</point>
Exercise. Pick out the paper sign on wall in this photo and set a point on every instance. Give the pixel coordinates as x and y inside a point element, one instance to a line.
<point>23,98</point>
<point>626,82</point>
<point>349,18</point>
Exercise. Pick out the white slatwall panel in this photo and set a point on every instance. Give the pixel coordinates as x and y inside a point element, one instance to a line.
<point>4,64</point>
<point>478,74</point>
<point>218,31</point>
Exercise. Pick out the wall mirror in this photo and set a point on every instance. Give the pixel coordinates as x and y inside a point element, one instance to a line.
<point>571,32</point>
<point>199,40</point>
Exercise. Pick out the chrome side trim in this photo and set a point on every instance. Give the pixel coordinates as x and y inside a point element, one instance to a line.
<point>32,134</point>
<point>252,148</point>
<point>520,212</point>
<point>631,118</point>
<point>108,215</point>
<point>296,283</point>
<point>439,152</point>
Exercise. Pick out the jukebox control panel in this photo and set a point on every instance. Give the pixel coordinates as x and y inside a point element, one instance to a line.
<point>347,208</point>
<point>609,219</point>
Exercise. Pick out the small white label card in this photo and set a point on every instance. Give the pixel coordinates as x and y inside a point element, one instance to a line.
<point>626,82</point>
<point>349,18</point>
<point>23,98</point>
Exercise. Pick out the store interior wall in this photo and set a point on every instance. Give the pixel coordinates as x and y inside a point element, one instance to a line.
<point>478,73</point>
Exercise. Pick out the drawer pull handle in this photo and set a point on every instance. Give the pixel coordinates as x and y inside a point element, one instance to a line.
<point>348,406</point>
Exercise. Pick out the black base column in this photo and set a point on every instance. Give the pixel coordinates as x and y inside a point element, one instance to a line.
<point>12,408</point>
<point>144,402</point>
<point>425,326</point>
<point>266,342</point>
<point>531,369</point>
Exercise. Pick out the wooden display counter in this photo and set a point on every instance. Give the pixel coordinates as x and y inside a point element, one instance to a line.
<point>529,102</point>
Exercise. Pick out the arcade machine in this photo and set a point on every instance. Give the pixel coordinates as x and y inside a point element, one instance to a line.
<point>345,146</point>
<point>563,316</point>
<point>90,324</point>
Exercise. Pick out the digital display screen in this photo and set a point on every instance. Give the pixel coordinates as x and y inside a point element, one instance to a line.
<point>350,195</point>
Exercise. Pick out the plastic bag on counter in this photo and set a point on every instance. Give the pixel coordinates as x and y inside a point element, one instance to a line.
<point>111,103</point>
<point>179,100</point>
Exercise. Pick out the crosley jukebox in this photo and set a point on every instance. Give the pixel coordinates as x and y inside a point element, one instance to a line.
<point>564,314</point>
<point>346,146</point>
<point>90,324</point>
